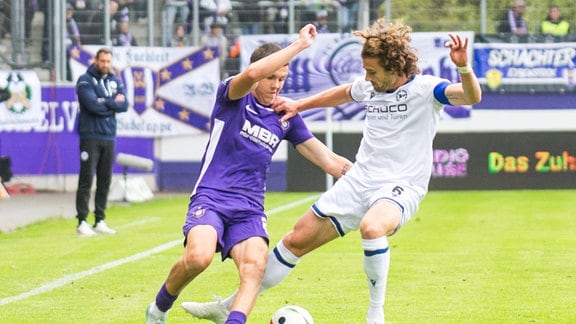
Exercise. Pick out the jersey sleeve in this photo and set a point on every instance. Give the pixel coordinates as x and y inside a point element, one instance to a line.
<point>360,89</point>
<point>298,132</point>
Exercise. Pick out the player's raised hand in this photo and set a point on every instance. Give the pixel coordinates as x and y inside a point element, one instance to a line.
<point>307,35</point>
<point>458,50</point>
<point>287,106</point>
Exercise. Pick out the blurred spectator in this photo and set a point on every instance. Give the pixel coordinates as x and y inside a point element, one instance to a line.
<point>72,34</point>
<point>45,47</point>
<point>124,37</point>
<point>215,11</point>
<point>72,31</point>
<point>216,38</point>
<point>513,21</point>
<point>124,5</point>
<point>93,4</point>
<point>249,17</point>
<point>555,24</point>
<point>180,37</point>
<point>276,18</point>
<point>311,8</point>
<point>322,21</point>
<point>5,18</point>
<point>137,8</point>
<point>141,11</point>
<point>118,14</point>
<point>374,12</point>
<point>31,7</point>
<point>348,15</point>
<point>82,13</point>
<point>173,8</point>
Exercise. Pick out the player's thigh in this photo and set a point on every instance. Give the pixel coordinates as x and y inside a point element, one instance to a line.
<point>392,206</point>
<point>382,218</point>
<point>309,233</point>
<point>201,245</point>
<point>250,254</point>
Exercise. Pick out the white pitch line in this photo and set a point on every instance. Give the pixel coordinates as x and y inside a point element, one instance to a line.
<point>79,275</point>
<point>140,222</point>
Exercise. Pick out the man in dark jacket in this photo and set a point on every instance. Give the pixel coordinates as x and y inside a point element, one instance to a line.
<point>101,95</point>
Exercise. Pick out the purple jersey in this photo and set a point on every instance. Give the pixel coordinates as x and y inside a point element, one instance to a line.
<point>244,135</point>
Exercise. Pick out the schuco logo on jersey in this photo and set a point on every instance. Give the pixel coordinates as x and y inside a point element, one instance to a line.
<point>386,108</point>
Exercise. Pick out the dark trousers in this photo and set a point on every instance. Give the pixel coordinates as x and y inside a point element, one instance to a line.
<point>94,156</point>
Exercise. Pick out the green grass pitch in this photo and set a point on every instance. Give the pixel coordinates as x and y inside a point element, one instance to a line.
<point>466,257</point>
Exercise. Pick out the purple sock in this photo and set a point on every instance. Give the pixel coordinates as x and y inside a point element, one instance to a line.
<point>164,300</point>
<point>236,317</point>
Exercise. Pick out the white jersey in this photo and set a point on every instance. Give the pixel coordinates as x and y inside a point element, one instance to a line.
<point>399,131</point>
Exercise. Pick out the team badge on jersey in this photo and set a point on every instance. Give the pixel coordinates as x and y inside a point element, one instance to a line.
<point>285,124</point>
<point>401,95</point>
<point>199,212</point>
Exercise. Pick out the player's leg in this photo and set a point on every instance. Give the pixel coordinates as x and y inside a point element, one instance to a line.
<point>246,242</point>
<point>250,257</point>
<point>309,233</point>
<point>380,221</point>
<point>391,207</point>
<point>198,254</point>
<point>203,229</point>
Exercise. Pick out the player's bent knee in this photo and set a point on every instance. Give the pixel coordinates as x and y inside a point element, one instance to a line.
<point>372,230</point>
<point>196,262</point>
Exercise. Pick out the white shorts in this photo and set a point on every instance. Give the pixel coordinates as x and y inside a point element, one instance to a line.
<point>346,203</point>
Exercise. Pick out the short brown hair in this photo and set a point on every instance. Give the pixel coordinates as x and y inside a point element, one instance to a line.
<point>103,50</point>
<point>264,50</point>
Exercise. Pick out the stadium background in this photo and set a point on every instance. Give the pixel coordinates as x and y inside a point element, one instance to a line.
<point>522,135</point>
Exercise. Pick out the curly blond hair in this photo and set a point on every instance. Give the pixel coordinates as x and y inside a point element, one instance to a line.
<point>390,42</point>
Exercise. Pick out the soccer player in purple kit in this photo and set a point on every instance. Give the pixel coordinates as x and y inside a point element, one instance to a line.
<point>226,209</point>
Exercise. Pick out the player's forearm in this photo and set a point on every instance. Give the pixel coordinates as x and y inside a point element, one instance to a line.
<point>342,166</point>
<point>270,64</point>
<point>328,98</point>
<point>471,87</point>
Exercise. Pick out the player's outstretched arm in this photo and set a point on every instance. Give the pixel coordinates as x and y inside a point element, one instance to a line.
<point>468,91</point>
<point>318,153</point>
<point>328,98</point>
<point>242,84</point>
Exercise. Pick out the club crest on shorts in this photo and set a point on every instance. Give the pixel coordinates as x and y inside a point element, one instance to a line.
<point>199,212</point>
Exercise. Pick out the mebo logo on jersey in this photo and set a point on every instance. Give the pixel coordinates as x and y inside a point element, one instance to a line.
<point>260,135</point>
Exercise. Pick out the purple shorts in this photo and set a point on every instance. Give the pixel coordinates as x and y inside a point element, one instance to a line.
<point>235,218</point>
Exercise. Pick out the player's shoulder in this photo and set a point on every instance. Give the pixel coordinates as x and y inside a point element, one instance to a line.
<point>428,79</point>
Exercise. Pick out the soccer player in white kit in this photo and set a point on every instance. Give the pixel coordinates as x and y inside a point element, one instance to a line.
<point>390,177</point>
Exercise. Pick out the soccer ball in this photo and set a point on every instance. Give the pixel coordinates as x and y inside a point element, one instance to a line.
<point>291,314</point>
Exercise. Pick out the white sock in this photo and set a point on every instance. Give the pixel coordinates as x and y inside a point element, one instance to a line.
<point>376,265</point>
<point>280,264</point>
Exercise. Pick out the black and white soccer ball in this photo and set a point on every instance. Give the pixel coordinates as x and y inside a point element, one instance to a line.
<point>291,314</point>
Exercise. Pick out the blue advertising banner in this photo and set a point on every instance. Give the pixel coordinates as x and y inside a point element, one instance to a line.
<point>525,67</point>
